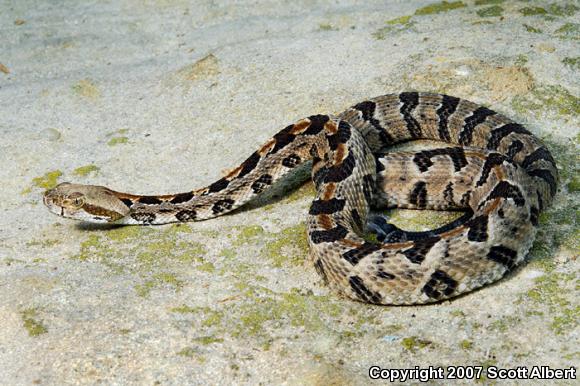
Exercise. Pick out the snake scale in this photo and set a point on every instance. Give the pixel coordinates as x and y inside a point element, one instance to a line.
<point>492,168</point>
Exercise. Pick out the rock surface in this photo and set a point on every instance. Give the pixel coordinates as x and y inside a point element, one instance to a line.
<point>161,96</point>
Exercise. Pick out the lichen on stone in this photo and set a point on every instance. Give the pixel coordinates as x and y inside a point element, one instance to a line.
<point>443,6</point>
<point>48,181</point>
<point>84,171</point>
<point>413,343</point>
<point>399,24</point>
<point>553,99</point>
<point>31,323</point>
<point>86,88</point>
<point>492,11</point>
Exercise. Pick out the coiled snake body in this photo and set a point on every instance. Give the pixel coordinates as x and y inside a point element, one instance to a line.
<point>498,172</point>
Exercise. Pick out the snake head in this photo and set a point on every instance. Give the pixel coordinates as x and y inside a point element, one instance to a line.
<point>85,202</point>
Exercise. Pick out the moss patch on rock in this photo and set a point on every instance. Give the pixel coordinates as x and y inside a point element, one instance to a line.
<point>568,31</point>
<point>552,99</point>
<point>48,181</point>
<point>492,11</point>
<point>31,322</point>
<point>533,11</point>
<point>84,171</point>
<point>573,63</point>
<point>154,255</point>
<point>414,343</point>
<point>549,291</point>
<point>86,88</point>
<point>399,24</point>
<point>443,6</point>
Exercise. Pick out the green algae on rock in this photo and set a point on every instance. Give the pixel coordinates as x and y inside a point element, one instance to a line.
<point>48,181</point>
<point>549,292</point>
<point>414,343</point>
<point>554,99</point>
<point>568,31</point>
<point>153,255</point>
<point>492,11</point>
<point>488,2</point>
<point>443,6</point>
<point>31,322</point>
<point>573,63</point>
<point>84,171</point>
<point>533,11</point>
<point>398,24</point>
<point>86,88</point>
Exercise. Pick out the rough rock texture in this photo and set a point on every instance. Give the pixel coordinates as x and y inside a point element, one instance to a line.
<point>161,96</point>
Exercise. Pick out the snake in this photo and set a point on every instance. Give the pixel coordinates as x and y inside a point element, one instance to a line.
<point>487,166</point>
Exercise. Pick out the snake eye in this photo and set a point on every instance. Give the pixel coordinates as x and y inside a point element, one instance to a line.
<point>77,199</point>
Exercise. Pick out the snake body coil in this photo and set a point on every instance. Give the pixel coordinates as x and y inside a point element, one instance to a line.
<point>498,172</point>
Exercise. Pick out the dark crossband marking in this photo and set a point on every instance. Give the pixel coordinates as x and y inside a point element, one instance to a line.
<point>150,200</point>
<point>318,175</point>
<point>547,176</point>
<point>418,195</point>
<point>317,123</point>
<point>181,198</point>
<point>479,116</point>
<point>219,185</point>
<point>340,172</point>
<point>540,153</point>
<point>448,193</point>
<point>534,214</point>
<point>504,256</point>
<point>342,135</point>
<point>357,254</point>
<point>464,202</point>
<point>505,190</point>
<point>456,154</point>
<point>249,164</point>
<point>329,236</point>
<point>379,166</point>
<point>540,201</point>
<point>222,205</point>
<point>145,218</point>
<point>291,161</point>
<point>498,134</point>
<point>320,269</point>
<point>356,218</point>
<point>127,202</point>
<point>515,147</point>
<point>493,159</point>
<point>420,248</point>
<point>448,107</point>
<point>477,229</point>
<point>410,101</point>
<point>261,183</point>
<point>186,215</point>
<point>362,292</point>
<point>368,110</point>
<point>283,138</point>
<point>327,206</point>
<point>439,284</point>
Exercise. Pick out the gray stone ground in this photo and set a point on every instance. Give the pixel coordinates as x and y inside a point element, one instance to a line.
<point>161,96</point>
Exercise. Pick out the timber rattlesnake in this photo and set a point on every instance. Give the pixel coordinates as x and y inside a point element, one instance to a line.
<point>498,172</point>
